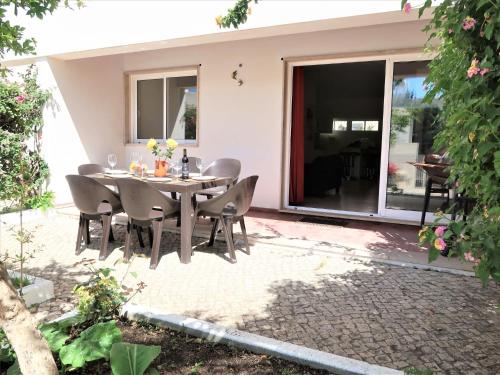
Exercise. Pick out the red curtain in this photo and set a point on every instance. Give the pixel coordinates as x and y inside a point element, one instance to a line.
<point>296,195</point>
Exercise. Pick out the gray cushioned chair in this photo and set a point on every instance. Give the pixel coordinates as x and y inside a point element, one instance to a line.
<point>229,208</point>
<point>95,202</point>
<point>145,207</point>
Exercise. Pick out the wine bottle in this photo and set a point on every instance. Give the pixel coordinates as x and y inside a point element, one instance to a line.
<point>185,166</point>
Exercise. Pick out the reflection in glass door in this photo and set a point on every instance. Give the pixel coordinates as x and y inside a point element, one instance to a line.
<point>412,130</point>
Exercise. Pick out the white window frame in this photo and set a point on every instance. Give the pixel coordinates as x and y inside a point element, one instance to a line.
<point>382,213</point>
<point>160,74</point>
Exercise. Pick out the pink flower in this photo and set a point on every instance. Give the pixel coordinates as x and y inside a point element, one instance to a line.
<point>440,244</point>
<point>407,8</point>
<point>468,23</point>
<point>473,69</point>
<point>468,256</point>
<point>450,31</point>
<point>440,231</point>
<point>20,98</point>
<point>484,71</point>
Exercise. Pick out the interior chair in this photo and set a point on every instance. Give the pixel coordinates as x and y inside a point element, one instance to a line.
<point>145,207</point>
<point>95,202</point>
<point>229,208</point>
<point>86,169</point>
<point>437,182</point>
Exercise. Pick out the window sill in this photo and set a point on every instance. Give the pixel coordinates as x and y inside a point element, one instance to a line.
<point>180,143</point>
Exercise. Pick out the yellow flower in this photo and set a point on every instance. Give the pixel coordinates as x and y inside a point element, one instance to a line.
<point>132,166</point>
<point>151,144</point>
<point>171,143</point>
<point>472,136</point>
<point>218,21</point>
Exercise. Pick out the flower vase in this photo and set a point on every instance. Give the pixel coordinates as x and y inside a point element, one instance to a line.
<point>161,168</point>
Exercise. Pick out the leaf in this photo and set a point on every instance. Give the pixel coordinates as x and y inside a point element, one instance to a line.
<point>433,254</point>
<point>497,163</point>
<point>14,369</point>
<point>55,335</point>
<point>94,343</point>
<point>132,359</point>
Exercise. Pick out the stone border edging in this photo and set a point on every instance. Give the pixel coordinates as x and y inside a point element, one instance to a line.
<point>257,344</point>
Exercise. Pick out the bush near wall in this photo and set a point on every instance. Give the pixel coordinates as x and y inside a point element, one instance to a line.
<point>21,123</point>
<point>466,74</point>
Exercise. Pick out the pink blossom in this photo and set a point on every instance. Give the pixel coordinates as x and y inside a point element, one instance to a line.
<point>440,244</point>
<point>440,231</point>
<point>407,8</point>
<point>468,256</point>
<point>450,31</point>
<point>468,23</point>
<point>484,71</point>
<point>20,98</point>
<point>473,69</point>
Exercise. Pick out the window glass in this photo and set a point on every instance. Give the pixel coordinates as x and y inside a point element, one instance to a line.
<point>413,128</point>
<point>166,107</point>
<point>371,126</point>
<point>358,125</point>
<point>150,109</point>
<point>339,125</point>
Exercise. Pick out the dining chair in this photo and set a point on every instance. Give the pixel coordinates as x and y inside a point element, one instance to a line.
<point>437,182</point>
<point>86,169</point>
<point>145,207</point>
<point>95,202</point>
<point>229,208</point>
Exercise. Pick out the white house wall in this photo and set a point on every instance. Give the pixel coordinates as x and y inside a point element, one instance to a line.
<point>243,122</point>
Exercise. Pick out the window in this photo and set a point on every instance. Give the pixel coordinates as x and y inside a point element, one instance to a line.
<point>367,126</point>
<point>164,105</point>
<point>339,125</point>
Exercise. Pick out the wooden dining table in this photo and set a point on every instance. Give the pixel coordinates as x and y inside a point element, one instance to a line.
<point>186,188</point>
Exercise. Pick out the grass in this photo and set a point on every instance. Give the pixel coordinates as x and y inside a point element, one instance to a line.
<point>16,281</point>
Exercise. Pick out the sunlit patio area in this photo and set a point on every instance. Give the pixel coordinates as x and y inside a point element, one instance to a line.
<point>322,286</point>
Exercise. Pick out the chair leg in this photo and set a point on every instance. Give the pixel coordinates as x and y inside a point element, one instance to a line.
<point>106,228</point>
<point>244,232</point>
<point>87,231</point>
<point>215,226</point>
<point>79,236</point>
<point>127,254</point>
<point>227,232</point>
<point>111,237</point>
<point>157,230</point>
<point>426,201</point>
<point>150,235</point>
<point>139,235</point>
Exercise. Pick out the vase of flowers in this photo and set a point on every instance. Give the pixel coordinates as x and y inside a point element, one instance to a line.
<point>162,153</point>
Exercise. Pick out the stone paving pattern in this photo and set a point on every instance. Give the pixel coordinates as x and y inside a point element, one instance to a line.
<point>386,315</point>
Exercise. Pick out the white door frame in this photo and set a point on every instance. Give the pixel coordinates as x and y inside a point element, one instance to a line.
<point>390,58</point>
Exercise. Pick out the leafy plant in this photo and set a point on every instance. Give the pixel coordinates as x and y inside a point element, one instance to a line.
<point>132,359</point>
<point>7,354</point>
<point>92,344</point>
<point>57,333</point>
<point>236,15</point>
<point>465,75</point>
<point>101,297</point>
<point>19,282</point>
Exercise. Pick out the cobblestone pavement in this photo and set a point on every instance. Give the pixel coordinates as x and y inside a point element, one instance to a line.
<point>386,315</point>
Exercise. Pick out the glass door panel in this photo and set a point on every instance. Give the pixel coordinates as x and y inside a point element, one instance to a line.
<point>412,130</point>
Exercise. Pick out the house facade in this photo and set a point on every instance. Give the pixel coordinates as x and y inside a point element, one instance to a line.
<point>233,95</point>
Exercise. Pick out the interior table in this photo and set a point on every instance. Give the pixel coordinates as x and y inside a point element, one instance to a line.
<point>186,188</point>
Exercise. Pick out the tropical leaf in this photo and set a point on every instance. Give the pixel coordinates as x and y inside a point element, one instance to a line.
<point>14,369</point>
<point>132,359</point>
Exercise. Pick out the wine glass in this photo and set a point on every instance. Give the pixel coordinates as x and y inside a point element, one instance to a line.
<point>199,164</point>
<point>112,160</point>
<point>177,167</point>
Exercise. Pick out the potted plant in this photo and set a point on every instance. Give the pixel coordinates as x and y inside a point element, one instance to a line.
<point>162,155</point>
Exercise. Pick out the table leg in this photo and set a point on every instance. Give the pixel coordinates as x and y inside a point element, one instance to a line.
<point>187,212</point>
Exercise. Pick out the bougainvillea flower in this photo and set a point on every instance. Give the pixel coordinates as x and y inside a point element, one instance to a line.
<point>468,23</point>
<point>440,244</point>
<point>407,8</point>
<point>469,257</point>
<point>20,98</point>
<point>440,231</point>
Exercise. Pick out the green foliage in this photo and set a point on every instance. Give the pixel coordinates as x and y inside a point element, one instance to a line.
<point>14,369</point>
<point>23,171</point>
<point>7,354</point>
<point>57,333</point>
<point>92,344</point>
<point>132,359</point>
<point>190,121</point>
<point>101,297</point>
<point>236,15</point>
<point>465,75</point>
<point>19,282</point>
